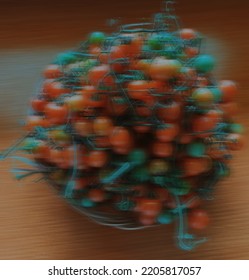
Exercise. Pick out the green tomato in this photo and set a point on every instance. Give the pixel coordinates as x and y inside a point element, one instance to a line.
<point>97,38</point>
<point>204,63</point>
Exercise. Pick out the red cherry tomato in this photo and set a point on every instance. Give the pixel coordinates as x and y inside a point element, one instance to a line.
<point>56,114</point>
<point>171,112</point>
<point>97,195</point>
<point>162,150</point>
<point>101,75</point>
<point>187,34</point>
<point>102,126</point>
<point>229,90</point>
<point>52,71</point>
<point>198,219</point>
<point>97,158</point>
<point>118,58</point>
<point>34,121</point>
<point>195,166</point>
<point>53,89</point>
<point>150,207</point>
<point>168,133</point>
<point>38,105</point>
<point>120,137</point>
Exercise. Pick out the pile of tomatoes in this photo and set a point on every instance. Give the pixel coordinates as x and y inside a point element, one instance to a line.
<point>136,121</point>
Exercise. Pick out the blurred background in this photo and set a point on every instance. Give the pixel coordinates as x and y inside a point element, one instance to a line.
<point>35,223</point>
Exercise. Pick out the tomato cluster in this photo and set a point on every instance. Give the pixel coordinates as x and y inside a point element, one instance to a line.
<point>136,121</point>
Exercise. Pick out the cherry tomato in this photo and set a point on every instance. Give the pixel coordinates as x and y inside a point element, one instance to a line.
<point>53,89</point>
<point>84,127</point>
<point>38,105</point>
<point>52,71</point>
<point>191,51</point>
<point>81,183</point>
<point>171,112</point>
<point>203,97</point>
<point>162,150</point>
<point>146,220</point>
<point>203,125</point>
<point>229,109</point>
<point>120,137</point>
<point>235,141</point>
<point>97,195</point>
<point>97,158</point>
<point>187,34</point>
<point>229,90</point>
<point>102,126</point>
<point>195,166</point>
<point>117,106</point>
<point>56,114</point>
<point>198,219</point>
<point>118,57</point>
<point>167,133</point>
<point>76,103</point>
<point>150,207</point>
<point>162,69</point>
<point>101,75</point>
<point>35,121</point>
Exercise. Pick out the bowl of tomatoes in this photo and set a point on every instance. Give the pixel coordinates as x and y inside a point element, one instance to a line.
<point>132,129</point>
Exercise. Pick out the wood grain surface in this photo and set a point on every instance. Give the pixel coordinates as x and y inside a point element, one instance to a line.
<point>34,222</point>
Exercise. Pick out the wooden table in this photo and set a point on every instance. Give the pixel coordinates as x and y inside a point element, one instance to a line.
<point>35,223</point>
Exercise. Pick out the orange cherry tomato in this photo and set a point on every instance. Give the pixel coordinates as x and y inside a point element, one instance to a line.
<point>162,150</point>
<point>143,65</point>
<point>187,34</point>
<point>76,103</point>
<point>53,89</point>
<point>229,90</point>
<point>171,112</point>
<point>167,134</point>
<point>102,126</point>
<point>38,105</point>
<point>36,121</point>
<point>84,127</point>
<point>101,75</point>
<point>97,158</point>
<point>97,195</point>
<point>162,69</point>
<point>52,71</point>
<point>56,114</point>
<point>198,219</point>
